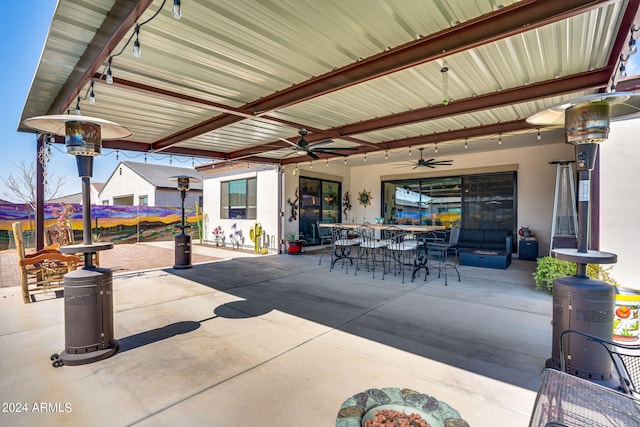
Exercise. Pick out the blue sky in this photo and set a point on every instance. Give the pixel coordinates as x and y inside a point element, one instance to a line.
<point>24,29</point>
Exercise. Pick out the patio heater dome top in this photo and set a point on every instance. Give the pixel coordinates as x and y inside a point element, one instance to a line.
<point>56,124</point>
<point>623,105</point>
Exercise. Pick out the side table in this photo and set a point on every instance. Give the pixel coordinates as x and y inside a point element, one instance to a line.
<point>528,250</point>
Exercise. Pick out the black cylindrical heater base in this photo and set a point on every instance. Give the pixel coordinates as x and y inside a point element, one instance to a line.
<point>586,305</point>
<point>183,251</point>
<point>88,316</point>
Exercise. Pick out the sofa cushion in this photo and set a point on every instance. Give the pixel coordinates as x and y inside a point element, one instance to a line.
<point>471,236</point>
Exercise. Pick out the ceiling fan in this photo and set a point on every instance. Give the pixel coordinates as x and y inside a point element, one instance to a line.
<point>431,163</point>
<point>312,149</point>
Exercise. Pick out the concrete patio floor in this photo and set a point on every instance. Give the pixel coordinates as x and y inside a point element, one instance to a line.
<point>277,340</point>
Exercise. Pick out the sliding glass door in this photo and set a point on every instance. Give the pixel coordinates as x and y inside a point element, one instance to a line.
<point>320,201</point>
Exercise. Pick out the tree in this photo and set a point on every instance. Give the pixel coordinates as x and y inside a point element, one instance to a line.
<point>20,185</point>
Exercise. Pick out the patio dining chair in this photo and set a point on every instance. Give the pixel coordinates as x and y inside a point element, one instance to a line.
<point>324,234</point>
<point>369,249</point>
<point>399,253</point>
<point>342,244</point>
<point>625,359</point>
<point>439,251</point>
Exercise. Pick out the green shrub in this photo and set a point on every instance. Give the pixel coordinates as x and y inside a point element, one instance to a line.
<point>548,269</point>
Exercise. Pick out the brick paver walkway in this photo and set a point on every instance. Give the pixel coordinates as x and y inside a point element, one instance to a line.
<point>121,258</point>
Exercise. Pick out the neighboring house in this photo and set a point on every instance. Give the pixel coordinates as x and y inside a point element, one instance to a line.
<point>96,188</point>
<point>145,184</point>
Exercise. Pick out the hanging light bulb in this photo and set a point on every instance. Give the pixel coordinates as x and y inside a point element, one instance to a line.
<point>170,160</point>
<point>632,41</point>
<point>345,160</point>
<point>177,10</point>
<point>436,149</point>
<point>365,157</point>
<point>539,137</point>
<point>310,165</point>
<point>108,75</point>
<point>623,71</point>
<point>295,170</point>
<point>92,96</point>
<point>500,139</point>
<point>136,43</point>
<point>465,144</point>
<point>77,109</point>
<point>327,162</point>
<point>386,155</point>
<point>193,162</point>
<point>117,155</point>
<point>409,150</point>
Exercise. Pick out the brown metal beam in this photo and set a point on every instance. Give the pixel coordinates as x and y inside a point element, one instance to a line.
<point>122,16</point>
<point>578,82</point>
<point>458,134</point>
<point>511,20</point>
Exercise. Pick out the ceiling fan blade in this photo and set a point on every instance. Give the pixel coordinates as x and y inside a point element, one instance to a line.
<point>327,151</point>
<point>313,155</point>
<point>326,141</point>
<point>416,166</point>
<point>289,142</point>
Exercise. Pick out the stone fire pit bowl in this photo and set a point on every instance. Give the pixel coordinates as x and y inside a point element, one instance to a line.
<point>360,407</point>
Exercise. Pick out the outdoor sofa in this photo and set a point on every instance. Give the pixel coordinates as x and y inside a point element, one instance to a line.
<point>485,248</point>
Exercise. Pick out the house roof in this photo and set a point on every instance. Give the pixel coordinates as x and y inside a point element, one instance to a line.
<point>69,198</point>
<point>158,175</point>
<point>230,79</point>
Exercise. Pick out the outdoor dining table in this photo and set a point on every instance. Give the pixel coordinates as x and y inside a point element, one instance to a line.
<point>567,400</point>
<point>421,259</point>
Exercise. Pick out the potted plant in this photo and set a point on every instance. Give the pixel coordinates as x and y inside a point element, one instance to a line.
<point>294,243</point>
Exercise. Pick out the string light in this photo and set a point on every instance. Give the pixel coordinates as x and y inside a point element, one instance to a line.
<point>77,109</point>
<point>136,43</point>
<point>92,96</point>
<point>539,137</point>
<point>177,10</point>
<point>109,75</point>
<point>632,41</point>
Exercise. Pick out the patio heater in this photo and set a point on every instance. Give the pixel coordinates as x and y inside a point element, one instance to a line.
<point>183,240</point>
<point>580,302</point>
<point>88,292</point>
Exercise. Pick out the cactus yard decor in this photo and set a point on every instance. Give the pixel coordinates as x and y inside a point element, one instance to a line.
<point>259,238</point>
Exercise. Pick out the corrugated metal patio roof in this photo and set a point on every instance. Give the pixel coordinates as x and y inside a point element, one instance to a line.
<point>232,77</point>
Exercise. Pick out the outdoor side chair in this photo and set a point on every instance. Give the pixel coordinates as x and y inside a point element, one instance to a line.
<point>625,359</point>
<point>341,247</point>
<point>369,249</point>
<point>324,234</point>
<point>399,253</point>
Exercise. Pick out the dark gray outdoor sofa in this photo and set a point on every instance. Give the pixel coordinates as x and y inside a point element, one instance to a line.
<point>485,248</point>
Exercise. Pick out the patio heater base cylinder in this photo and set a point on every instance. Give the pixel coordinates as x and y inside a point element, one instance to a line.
<point>88,316</point>
<point>586,305</point>
<point>183,251</point>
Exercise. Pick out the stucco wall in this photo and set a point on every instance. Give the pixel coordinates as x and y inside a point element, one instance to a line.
<point>619,225</point>
<point>267,202</point>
